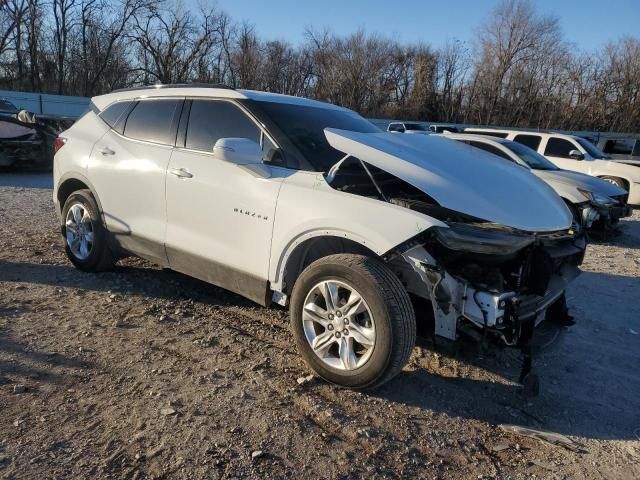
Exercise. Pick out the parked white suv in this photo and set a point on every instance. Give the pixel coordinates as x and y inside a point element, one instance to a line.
<point>570,152</point>
<point>302,203</point>
<point>408,127</point>
<point>590,199</point>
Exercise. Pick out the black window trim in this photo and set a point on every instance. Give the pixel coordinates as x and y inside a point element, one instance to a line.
<point>174,121</point>
<point>567,157</point>
<point>132,101</point>
<point>532,135</point>
<point>182,135</point>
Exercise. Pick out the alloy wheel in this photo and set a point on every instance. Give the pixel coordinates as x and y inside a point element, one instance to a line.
<point>338,325</point>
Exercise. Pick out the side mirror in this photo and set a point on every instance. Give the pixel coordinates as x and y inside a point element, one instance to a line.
<point>576,155</point>
<point>240,151</point>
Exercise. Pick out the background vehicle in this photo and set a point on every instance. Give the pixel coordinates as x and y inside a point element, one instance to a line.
<point>622,149</point>
<point>25,143</point>
<point>589,198</point>
<point>408,127</point>
<point>309,205</point>
<point>437,128</point>
<point>7,108</point>
<point>570,152</point>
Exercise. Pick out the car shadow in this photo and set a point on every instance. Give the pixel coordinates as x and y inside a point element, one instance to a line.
<point>125,280</point>
<point>590,383</point>
<point>625,235</point>
<point>20,361</point>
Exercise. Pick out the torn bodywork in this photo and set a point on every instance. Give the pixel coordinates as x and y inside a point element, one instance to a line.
<point>481,279</point>
<point>499,294</point>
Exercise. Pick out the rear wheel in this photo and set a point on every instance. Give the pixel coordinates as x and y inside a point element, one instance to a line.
<point>85,236</point>
<point>353,320</point>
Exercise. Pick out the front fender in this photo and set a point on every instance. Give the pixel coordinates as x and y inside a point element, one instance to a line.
<point>308,207</point>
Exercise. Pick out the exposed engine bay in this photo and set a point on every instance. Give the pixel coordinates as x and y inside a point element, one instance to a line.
<point>480,277</point>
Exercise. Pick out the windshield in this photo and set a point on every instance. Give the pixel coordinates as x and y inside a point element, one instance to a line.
<point>302,127</point>
<point>591,149</point>
<point>533,159</point>
<point>416,126</point>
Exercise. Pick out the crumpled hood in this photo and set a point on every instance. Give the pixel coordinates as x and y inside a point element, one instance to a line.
<point>453,175</point>
<point>582,181</point>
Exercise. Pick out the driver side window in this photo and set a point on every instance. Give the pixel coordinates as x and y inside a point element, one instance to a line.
<point>559,147</point>
<point>211,120</point>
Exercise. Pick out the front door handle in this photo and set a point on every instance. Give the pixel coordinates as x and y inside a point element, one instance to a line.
<point>181,172</point>
<point>107,151</point>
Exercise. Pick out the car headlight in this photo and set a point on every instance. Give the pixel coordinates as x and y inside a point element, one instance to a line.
<point>478,238</point>
<point>597,199</point>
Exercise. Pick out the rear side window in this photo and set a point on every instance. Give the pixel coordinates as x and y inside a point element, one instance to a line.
<point>114,112</point>
<point>491,149</point>
<point>531,141</point>
<point>153,121</point>
<point>211,120</point>
<point>618,147</point>
<point>559,147</point>
<point>395,127</point>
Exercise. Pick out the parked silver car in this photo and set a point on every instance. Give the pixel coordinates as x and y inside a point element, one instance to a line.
<point>592,201</point>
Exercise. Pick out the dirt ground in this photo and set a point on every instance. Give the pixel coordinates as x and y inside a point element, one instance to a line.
<point>144,373</point>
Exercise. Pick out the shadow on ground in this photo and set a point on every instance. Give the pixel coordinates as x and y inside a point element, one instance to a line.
<point>589,374</point>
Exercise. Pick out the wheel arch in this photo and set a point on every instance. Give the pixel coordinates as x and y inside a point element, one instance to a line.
<point>313,248</point>
<point>73,182</point>
<point>626,182</point>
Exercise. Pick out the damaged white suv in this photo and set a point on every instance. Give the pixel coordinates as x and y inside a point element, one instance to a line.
<point>305,204</point>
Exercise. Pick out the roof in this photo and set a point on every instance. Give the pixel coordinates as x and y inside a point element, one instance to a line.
<point>519,131</point>
<point>472,136</point>
<point>204,90</point>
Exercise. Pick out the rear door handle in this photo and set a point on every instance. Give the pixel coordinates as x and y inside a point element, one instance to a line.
<point>181,172</point>
<point>107,151</point>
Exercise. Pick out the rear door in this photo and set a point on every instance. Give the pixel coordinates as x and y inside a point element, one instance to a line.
<point>128,168</point>
<point>219,215</point>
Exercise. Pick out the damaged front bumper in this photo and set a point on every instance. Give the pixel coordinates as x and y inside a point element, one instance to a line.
<point>504,309</point>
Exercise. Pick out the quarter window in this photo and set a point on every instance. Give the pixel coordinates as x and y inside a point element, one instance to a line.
<point>114,112</point>
<point>531,141</point>
<point>559,147</point>
<point>211,120</point>
<point>153,121</point>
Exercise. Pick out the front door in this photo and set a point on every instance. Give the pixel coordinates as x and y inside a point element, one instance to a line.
<point>219,215</point>
<point>557,150</point>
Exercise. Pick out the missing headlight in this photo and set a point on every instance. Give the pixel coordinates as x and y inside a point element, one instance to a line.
<point>481,238</point>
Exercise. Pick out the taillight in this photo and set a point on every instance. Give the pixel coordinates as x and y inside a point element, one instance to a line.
<point>58,143</point>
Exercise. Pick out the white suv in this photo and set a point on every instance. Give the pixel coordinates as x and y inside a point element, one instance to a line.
<point>571,152</point>
<point>306,204</point>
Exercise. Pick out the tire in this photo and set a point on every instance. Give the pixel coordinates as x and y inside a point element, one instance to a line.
<point>385,315</point>
<point>97,256</point>
<point>616,181</point>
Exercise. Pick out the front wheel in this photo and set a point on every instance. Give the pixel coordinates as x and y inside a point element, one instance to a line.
<point>618,182</point>
<point>353,320</point>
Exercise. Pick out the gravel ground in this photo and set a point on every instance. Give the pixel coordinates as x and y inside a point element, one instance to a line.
<point>145,373</point>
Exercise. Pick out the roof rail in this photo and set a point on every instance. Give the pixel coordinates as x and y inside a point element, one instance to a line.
<point>176,85</point>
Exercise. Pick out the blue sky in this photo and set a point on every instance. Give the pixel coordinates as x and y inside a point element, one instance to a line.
<point>588,23</point>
